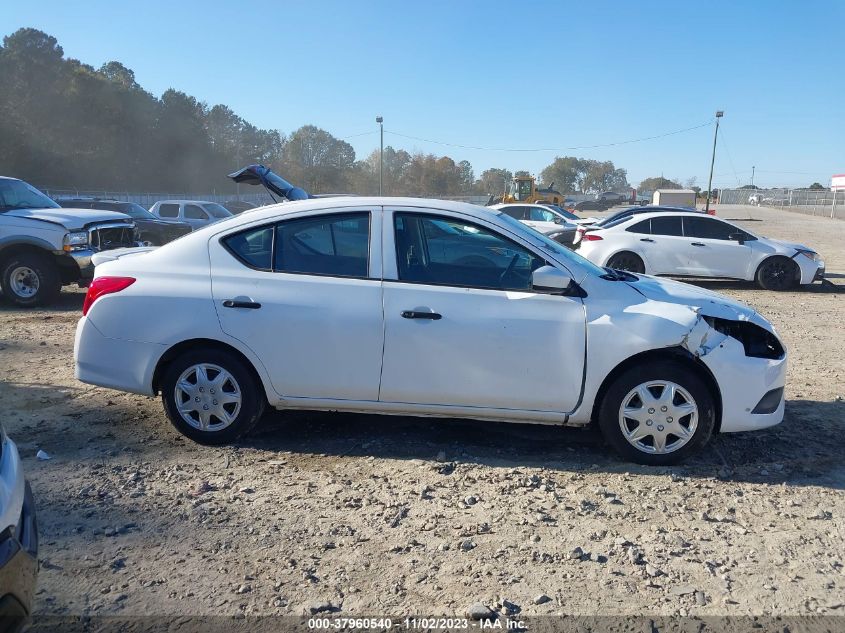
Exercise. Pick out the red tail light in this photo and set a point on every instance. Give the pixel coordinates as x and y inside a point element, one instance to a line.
<point>591,237</point>
<point>104,286</point>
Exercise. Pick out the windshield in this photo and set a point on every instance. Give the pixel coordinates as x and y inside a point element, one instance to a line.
<point>217,210</point>
<point>16,194</point>
<point>136,211</point>
<point>564,212</point>
<point>549,245</point>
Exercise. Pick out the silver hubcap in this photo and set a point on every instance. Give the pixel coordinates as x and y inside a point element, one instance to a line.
<point>24,282</point>
<point>207,397</point>
<point>658,417</point>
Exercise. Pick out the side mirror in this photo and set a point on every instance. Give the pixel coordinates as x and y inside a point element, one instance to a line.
<point>737,237</point>
<point>550,279</point>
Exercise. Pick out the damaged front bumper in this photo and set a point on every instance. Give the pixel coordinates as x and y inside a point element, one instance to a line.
<point>749,364</point>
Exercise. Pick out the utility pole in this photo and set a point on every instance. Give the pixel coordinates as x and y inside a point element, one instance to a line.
<point>380,121</point>
<point>719,115</point>
<point>752,176</point>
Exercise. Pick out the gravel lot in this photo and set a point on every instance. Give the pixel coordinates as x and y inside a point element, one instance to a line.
<point>398,516</point>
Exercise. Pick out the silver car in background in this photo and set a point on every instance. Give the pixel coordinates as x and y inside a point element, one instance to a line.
<point>197,213</point>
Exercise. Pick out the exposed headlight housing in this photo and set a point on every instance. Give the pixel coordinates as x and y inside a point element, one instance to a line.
<point>811,255</point>
<point>75,241</point>
<point>757,341</point>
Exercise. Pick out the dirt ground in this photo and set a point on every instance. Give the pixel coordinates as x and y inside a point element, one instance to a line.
<point>398,516</point>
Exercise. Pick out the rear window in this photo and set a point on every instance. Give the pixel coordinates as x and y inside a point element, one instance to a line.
<point>168,210</point>
<point>610,222</point>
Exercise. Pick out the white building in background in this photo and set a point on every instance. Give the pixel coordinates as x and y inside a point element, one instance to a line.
<point>674,198</point>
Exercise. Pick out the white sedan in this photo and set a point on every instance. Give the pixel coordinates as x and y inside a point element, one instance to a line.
<point>422,307</point>
<point>691,244</point>
<point>534,214</point>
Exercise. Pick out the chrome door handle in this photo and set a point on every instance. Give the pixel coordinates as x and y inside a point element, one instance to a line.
<point>231,303</point>
<point>416,314</point>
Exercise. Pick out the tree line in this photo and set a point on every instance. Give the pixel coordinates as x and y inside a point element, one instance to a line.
<point>66,124</point>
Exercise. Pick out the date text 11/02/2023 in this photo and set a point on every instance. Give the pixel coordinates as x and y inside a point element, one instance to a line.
<point>415,623</point>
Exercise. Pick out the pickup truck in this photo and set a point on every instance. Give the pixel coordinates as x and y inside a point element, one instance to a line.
<point>44,247</point>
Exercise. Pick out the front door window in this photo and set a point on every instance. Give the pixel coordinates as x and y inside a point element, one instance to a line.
<point>445,251</point>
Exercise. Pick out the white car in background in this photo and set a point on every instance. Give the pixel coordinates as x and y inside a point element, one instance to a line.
<point>422,307</point>
<point>551,220</point>
<point>197,213</point>
<point>533,213</point>
<point>692,244</point>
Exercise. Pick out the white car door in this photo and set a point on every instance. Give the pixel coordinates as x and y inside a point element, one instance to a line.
<point>304,294</point>
<point>712,252</point>
<point>463,327</point>
<point>663,244</point>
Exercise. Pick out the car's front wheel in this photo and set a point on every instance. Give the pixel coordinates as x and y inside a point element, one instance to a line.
<point>30,279</point>
<point>211,396</point>
<point>658,414</point>
<point>778,273</point>
<point>627,261</point>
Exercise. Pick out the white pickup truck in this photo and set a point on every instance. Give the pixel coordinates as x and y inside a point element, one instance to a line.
<point>43,246</point>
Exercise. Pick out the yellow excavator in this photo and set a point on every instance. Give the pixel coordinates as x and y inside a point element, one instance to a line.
<point>524,189</point>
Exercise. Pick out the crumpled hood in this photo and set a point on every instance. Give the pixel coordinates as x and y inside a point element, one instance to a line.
<point>69,218</point>
<point>710,303</point>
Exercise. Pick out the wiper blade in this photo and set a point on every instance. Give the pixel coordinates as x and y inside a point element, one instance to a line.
<point>619,275</point>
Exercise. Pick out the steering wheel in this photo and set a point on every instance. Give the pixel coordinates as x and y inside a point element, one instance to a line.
<point>509,269</point>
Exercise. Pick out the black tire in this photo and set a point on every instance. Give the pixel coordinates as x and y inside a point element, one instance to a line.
<point>626,260</point>
<point>252,402</point>
<point>778,273</point>
<point>609,412</point>
<point>36,279</point>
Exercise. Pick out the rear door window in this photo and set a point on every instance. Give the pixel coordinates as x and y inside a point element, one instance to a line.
<point>643,227</point>
<point>517,213</point>
<point>194,212</point>
<point>667,225</point>
<point>168,210</point>
<point>253,247</point>
<point>337,245</point>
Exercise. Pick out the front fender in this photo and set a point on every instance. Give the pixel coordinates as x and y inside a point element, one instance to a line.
<point>644,325</point>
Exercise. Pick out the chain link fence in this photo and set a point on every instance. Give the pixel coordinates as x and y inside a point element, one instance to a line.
<point>808,201</point>
<point>147,200</point>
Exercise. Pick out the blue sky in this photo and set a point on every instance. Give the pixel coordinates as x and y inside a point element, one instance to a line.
<point>494,74</point>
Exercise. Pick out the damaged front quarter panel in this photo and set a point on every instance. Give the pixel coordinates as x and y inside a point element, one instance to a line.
<point>703,337</point>
<point>739,347</point>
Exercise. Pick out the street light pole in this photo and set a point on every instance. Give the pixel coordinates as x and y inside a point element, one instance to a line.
<point>380,121</point>
<point>719,115</point>
<point>752,176</point>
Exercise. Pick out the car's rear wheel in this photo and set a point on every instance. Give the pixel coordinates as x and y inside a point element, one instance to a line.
<point>658,414</point>
<point>778,273</point>
<point>30,279</point>
<point>211,396</point>
<point>627,261</point>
